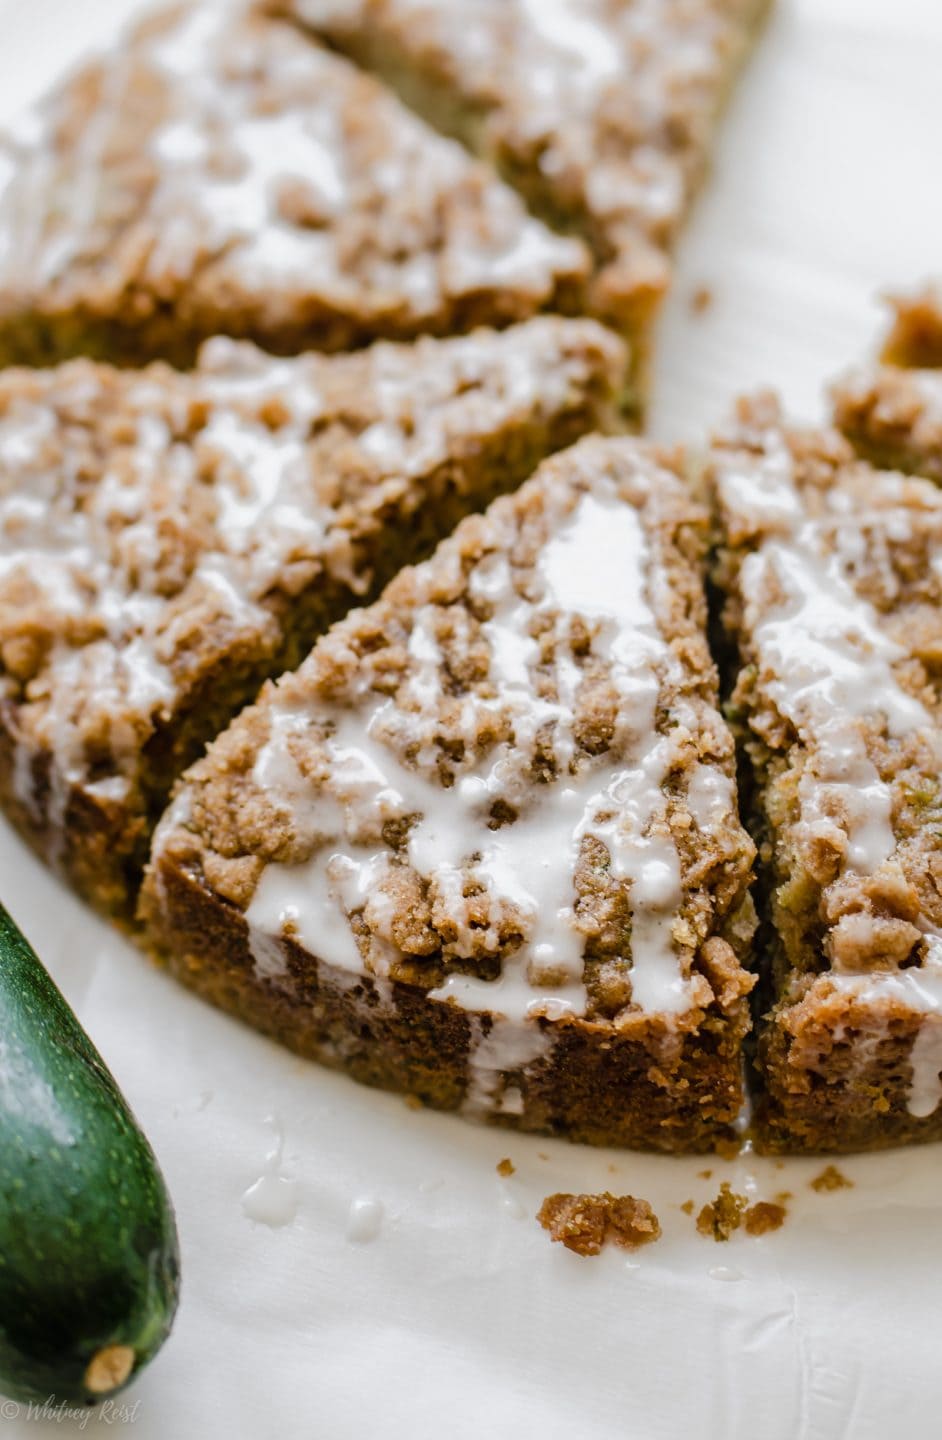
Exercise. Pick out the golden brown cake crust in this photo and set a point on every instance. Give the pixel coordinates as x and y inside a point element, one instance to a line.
<point>620,1023</point>
<point>168,540</point>
<point>833,604</point>
<point>222,174</point>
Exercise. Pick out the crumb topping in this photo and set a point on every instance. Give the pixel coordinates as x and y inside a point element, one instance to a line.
<point>507,781</point>
<point>156,524</point>
<point>222,163</point>
<point>601,114</point>
<point>584,1223</point>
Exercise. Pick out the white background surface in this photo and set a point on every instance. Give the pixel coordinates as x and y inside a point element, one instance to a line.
<point>459,1318</point>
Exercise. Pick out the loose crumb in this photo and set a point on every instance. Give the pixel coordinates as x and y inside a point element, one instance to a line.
<point>506,1166</point>
<point>831,1179</point>
<point>762,1217</point>
<point>412,1102</point>
<point>687,1207</point>
<point>584,1223</point>
<point>783,1197</point>
<point>724,1215</point>
<point>701,299</point>
<point>704,1174</point>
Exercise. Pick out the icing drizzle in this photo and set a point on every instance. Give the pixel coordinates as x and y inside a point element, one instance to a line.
<point>597,567</point>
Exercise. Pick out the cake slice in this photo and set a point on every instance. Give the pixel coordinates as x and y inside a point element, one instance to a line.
<point>168,540</point>
<point>892,413</point>
<point>483,845</point>
<point>220,173</point>
<point>601,114</point>
<point>833,589</point>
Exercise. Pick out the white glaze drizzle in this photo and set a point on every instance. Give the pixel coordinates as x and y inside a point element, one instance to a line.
<point>823,659</point>
<point>365,1220</point>
<point>273,1198</point>
<point>508,1046</point>
<point>596,566</point>
<point>920,991</point>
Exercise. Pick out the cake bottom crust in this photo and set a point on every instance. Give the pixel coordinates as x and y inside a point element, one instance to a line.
<point>652,1086</point>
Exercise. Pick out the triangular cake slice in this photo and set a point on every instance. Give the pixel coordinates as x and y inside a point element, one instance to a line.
<point>602,114</point>
<point>834,603</point>
<point>221,173</point>
<point>483,846</point>
<point>168,540</point>
<point>892,412</point>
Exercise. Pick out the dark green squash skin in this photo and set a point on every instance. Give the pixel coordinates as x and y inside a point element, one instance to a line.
<point>88,1243</point>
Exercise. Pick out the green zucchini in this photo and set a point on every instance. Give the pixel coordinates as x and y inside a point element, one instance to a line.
<point>89,1260</point>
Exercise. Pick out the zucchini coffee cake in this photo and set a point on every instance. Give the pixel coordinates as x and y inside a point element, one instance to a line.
<point>458,809</point>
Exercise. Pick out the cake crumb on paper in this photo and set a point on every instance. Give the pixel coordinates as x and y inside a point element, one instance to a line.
<point>723,1215</point>
<point>763,1217</point>
<point>584,1223</point>
<point>831,1179</point>
<point>506,1166</point>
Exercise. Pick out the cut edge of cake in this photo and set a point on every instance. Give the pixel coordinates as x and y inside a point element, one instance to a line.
<point>833,602</point>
